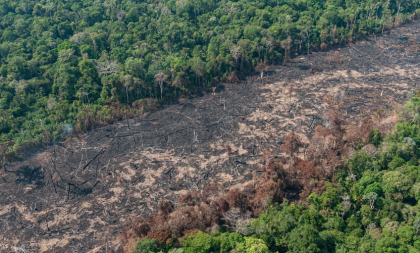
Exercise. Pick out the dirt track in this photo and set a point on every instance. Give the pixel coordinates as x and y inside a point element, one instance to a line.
<point>74,202</point>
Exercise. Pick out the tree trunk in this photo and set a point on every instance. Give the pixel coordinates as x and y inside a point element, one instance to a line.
<point>308,47</point>
<point>161,91</point>
<point>126,117</point>
<point>126,92</point>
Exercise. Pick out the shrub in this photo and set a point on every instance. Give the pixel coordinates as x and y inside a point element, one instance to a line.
<point>146,246</point>
<point>252,245</point>
<point>199,243</point>
<point>229,241</point>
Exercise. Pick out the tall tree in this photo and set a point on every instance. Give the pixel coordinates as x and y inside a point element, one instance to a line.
<point>160,79</point>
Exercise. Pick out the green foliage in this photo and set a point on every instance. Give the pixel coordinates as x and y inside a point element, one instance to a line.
<point>416,224</point>
<point>396,182</point>
<point>375,137</point>
<point>375,187</point>
<point>362,162</point>
<point>199,243</point>
<point>406,234</point>
<point>223,242</point>
<point>229,241</point>
<point>146,246</point>
<point>176,251</point>
<point>252,245</point>
<point>417,245</point>
<point>367,184</point>
<point>305,238</point>
<point>396,162</point>
<point>332,238</point>
<point>389,245</point>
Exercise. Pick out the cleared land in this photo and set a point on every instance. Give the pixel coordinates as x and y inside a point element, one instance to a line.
<point>77,196</point>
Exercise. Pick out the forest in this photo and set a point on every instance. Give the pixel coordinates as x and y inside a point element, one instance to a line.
<point>358,192</point>
<point>67,66</point>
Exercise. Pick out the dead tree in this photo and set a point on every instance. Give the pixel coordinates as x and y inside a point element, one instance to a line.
<point>262,66</point>
<point>291,145</point>
<point>160,79</point>
<point>286,44</point>
<point>237,221</point>
<point>106,67</point>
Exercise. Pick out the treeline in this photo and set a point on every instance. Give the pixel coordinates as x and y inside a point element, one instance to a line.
<point>357,189</point>
<point>68,65</point>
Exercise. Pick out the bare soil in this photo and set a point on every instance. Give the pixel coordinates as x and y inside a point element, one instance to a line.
<point>77,196</point>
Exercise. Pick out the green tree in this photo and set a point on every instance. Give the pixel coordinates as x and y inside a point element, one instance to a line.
<point>146,246</point>
<point>252,245</point>
<point>371,197</point>
<point>389,245</point>
<point>406,234</point>
<point>304,238</point>
<point>199,243</point>
<point>396,182</point>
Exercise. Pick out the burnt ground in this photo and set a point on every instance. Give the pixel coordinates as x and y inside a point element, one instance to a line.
<point>77,196</point>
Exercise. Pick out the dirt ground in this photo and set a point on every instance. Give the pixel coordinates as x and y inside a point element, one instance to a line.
<point>77,196</point>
